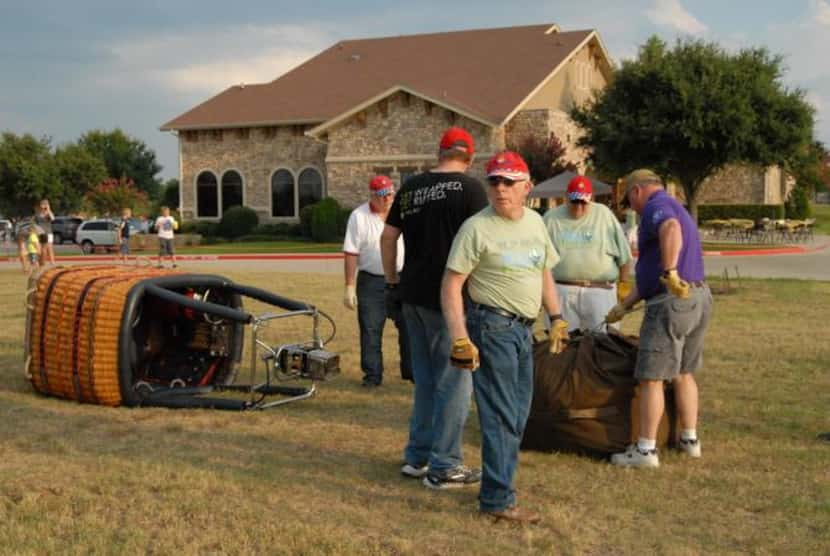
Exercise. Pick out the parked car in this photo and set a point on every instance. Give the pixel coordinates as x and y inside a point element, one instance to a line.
<point>139,226</point>
<point>96,233</point>
<point>99,232</point>
<point>64,228</point>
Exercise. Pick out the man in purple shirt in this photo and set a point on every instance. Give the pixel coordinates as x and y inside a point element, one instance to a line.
<point>669,277</point>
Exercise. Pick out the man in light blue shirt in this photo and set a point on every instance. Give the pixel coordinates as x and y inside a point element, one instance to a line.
<point>594,256</point>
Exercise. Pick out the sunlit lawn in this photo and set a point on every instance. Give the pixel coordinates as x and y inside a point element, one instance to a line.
<point>321,476</point>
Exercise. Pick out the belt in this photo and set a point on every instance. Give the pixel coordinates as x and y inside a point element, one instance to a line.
<point>371,274</point>
<point>587,284</point>
<point>507,314</point>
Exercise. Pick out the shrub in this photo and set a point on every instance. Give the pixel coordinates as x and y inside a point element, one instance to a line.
<point>281,229</point>
<point>238,221</point>
<point>797,206</point>
<point>305,220</point>
<point>189,227</point>
<point>748,212</point>
<point>343,221</point>
<point>325,220</point>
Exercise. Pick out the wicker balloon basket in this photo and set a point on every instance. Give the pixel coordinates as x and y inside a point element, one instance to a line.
<point>121,335</point>
<point>93,333</point>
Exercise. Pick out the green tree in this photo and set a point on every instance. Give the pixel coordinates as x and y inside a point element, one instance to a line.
<point>78,171</point>
<point>170,194</point>
<point>125,157</point>
<point>27,174</point>
<point>810,169</point>
<point>689,111</point>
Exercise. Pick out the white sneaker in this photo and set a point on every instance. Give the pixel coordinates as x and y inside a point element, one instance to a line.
<point>690,447</point>
<point>634,457</point>
<point>414,471</point>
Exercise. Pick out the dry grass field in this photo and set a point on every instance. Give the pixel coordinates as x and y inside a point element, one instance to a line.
<point>321,476</point>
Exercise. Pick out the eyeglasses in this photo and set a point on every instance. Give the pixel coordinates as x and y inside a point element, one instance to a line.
<point>496,180</point>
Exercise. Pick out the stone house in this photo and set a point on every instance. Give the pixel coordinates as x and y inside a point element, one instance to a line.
<point>370,106</point>
<point>743,184</point>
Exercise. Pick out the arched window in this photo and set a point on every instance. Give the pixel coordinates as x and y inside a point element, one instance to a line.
<point>231,190</point>
<point>207,195</point>
<point>310,187</point>
<point>282,193</point>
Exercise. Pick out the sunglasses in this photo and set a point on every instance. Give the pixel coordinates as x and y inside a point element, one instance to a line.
<point>496,180</point>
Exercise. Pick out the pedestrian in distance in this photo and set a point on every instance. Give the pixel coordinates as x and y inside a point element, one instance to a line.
<point>43,219</point>
<point>33,248</point>
<point>165,227</point>
<point>595,259</point>
<point>364,281</point>
<point>124,235</point>
<point>504,256</point>
<point>428,210</point>
<point>669,277</point>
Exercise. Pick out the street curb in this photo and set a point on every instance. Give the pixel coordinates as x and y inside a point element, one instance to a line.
<point>793,250</point>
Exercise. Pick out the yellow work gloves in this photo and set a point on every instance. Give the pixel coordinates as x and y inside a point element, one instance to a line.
<point>350,297</point>
<point>616,313</point>
<point>623,289</point>
<point>676,285</point>
<point>558,335</point>
<point>464,354</point>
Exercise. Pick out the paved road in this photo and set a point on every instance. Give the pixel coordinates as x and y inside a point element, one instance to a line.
<point>809,266</point>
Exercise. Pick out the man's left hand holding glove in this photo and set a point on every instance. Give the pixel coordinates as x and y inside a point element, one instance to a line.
<point>464,354</point>
<point>558,334</point>
<point>350,297</point>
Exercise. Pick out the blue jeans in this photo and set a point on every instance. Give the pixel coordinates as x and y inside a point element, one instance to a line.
<point>371,318</point>
<point>504,390</point>
<point>442,393</point>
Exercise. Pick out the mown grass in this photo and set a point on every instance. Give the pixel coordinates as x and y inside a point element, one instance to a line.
<point>321,476</point>
<point>822,215</point>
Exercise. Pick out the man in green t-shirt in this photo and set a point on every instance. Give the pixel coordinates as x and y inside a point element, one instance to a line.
<point>504,255</point>
<point>595,256</point>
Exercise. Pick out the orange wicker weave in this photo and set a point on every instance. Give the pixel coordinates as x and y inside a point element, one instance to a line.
<point>73,324</point>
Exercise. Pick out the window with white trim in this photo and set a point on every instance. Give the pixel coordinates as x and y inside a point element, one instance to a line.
<point>282,193</point>
<point>231,190</point>
<point>207,196</point>
<point>310,187</point>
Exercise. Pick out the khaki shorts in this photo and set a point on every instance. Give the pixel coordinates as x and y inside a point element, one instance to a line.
<point>165,247</point>
<point>671,336</point>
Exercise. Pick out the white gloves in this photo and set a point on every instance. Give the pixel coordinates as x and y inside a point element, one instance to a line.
<point>350,297</point>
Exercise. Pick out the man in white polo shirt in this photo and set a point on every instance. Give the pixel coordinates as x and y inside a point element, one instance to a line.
<point>361,250</point>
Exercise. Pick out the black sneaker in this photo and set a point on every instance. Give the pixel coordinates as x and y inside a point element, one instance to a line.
<point>369,383</point>
<point>456,477</point>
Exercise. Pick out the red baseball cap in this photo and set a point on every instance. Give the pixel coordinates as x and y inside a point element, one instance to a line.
<point>381,186</point>
<point>458,138</point>
<point>508,164</point>
<point>580,189</point>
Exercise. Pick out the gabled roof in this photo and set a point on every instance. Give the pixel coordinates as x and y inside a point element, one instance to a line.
<point>486,73</point>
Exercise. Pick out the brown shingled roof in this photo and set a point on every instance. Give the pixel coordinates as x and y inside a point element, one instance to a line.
<point>485,72</point>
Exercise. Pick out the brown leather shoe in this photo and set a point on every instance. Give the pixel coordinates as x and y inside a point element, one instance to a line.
<point>515,514</point>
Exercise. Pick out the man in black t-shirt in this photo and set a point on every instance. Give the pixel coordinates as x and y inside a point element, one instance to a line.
<point>429,209</point>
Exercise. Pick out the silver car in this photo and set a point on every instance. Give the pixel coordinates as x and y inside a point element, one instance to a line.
<point>97,233</point>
